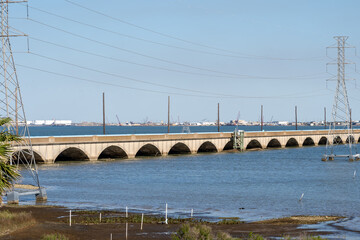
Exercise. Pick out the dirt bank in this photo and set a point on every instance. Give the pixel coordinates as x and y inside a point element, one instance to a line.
<point>86,225</point>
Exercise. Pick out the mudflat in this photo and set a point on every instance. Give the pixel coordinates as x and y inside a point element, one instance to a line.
<point>87,225</point>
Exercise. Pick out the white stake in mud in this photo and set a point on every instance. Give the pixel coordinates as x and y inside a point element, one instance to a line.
<point>110,236</point>
<point>166,219</point>
<point>302,195</point>
<point>126,231</point>
<point>70,218</point>
<point>354,174</point>
<point>192,213</point>
<point>100,217</point>
<point>142,221</point>
<point>126,212</point>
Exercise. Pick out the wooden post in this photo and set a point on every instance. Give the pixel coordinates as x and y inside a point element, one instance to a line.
<point>126,231</point>
<point>142,221</point>
<point>218,120</point>
<point>296,126</point>
<point>262,117</point>
<point>70,218</point>
<point>103,113</point>
<point>168,114</point>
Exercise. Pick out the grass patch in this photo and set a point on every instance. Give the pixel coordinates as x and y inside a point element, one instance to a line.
<point>54,236</point>
<point>204,232</point>
<point>92,217</point>
<point>300,220</point>
<point>10,222</point>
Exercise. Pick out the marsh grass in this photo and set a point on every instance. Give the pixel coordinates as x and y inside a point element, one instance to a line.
<point>10,222</point>
<point>54,236</point>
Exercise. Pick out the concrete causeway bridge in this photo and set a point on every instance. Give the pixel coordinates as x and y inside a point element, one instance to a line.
<point>98,147</point>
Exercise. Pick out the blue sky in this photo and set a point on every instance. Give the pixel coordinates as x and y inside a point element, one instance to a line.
<point>231,51</point>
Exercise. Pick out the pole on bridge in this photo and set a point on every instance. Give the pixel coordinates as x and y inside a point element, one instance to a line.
<point>218,120</point>
<point>103,113</point>
<point>350,119</point>
<point>296,125</point>
<point>325,117</point>
<point>168,123</point>
<point>262,118</point>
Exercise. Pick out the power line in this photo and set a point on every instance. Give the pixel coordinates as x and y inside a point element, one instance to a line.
<point>308,77</point>
<point>129,51</point>
<point>166,92</point>
<point>155,42</point>
<point>180,39</point>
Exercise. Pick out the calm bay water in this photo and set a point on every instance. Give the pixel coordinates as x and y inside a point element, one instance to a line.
<point>251,185</point>
<point>98,130</point>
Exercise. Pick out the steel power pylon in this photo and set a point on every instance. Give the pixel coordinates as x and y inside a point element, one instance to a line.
<point>341,111</point>
<point>11,106</point>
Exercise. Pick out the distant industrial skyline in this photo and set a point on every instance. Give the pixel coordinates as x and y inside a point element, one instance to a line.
<point>240,54</point>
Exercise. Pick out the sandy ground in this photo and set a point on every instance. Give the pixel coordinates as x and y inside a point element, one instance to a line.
<point>51,220</point>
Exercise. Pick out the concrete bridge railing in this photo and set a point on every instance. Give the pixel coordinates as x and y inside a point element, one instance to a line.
<point>64,148</point>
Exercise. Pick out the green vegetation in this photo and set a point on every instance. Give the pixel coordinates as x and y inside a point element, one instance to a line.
<point>204,232</point>
<point>54,236</point>
<point>8,173</point>
<point>10,222</point>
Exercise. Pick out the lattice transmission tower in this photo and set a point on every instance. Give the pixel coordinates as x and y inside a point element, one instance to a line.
<point>341,111</point>
<point>11,104</point>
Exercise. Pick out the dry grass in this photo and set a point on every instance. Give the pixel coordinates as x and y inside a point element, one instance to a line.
<point>10,222</point>
<point>299,220</point>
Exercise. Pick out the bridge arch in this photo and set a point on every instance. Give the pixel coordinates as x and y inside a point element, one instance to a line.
<point>148,150</point>
<point>72,154</point>
<point>229,145</point>
<point>292,142</point>
<point>254,144</point>
<point>273,143</point>
<point>179,148</point>
<point>323,141</point>
<point>113,152</point>
<point>207,147</point>
<point>20,156</point>
<point>350,139</point>
<point>308,142</point>
<point>337,140</point>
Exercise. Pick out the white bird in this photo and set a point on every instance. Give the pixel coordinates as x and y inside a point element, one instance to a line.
<point>302,195</point>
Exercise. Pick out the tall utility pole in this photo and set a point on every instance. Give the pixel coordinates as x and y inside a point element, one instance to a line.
<point>296,118</point>
<point>104,125</point>
<point>168,123</point>
<point>11,105</point>
<point>262,118</point>
<point>218,117</point>
<point>325,117</point>
<point>341,111</point>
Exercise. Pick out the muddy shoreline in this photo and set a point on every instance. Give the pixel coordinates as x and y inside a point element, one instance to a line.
<point>86,225</point>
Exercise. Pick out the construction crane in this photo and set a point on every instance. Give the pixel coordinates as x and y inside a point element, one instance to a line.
<point>118,120</point>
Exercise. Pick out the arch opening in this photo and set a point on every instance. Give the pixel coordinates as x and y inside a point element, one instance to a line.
<point>207,147</point>
<point>23,156</point>
<point>350,139</point>
<point>292,143</point>
<point>229,146</point>
<point>337,140</point>
<point>323,141</point>
<point>148,150</point>
<point>308,142</point>
<point>274,143</point>
<point>254,144</point>
<point>113,152</point>
<point>72,154</point>
<point>179,148</point>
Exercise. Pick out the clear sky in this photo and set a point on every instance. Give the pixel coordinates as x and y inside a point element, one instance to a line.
<point>241,54</point>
